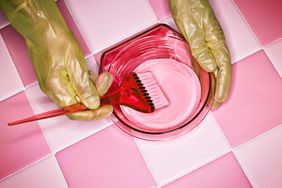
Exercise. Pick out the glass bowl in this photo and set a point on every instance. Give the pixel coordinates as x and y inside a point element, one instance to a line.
<point>186,86</point>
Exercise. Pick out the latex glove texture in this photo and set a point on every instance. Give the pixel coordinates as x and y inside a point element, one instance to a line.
<point>198,24</point>
<point>57,57</point>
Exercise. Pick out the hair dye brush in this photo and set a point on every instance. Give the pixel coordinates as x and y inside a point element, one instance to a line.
<point>140,92</point>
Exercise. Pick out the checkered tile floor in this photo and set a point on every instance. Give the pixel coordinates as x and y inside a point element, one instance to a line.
<point>236,146</point>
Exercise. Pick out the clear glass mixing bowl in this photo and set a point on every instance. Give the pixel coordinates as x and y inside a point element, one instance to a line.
<point>161,44</point>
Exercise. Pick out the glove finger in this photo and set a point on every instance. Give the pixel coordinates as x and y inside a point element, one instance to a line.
<point>193,31</point>
<point>59,89</point>
<point>104,82</point>
<point>99,113</point>
<point>80,80</point>
<point>215,105</point>
<point>223,82</point>
<point>93,76</point>
<point>216,42</point>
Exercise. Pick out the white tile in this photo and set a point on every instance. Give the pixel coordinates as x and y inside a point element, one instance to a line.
<point>10,82</point>
<point>61,132</point>
<point>104,23</point>
<point>92,65</point>
<point>170,21</point>
<point>44,174</point>
<point>274,52</point>
<point>168,160</point>
<point>239,37</point>
<point>261,161</point>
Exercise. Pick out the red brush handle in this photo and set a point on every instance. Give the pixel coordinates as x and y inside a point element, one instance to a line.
<point>79,107</point>
<point>130,93</point>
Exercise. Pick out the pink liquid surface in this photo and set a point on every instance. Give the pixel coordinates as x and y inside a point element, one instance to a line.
<point>181,87</point>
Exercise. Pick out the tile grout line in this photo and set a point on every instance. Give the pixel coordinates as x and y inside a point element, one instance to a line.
<point>74,20</point>
<point>26,167</point>
<point>51,154</point>
<point>15,69</point>
<point>152,9</point>
<point>132,33</point>
<point>273,42</point>
<point>246,22</point>
<point>239,59</point>
<point>31,85</point>
<point>191,169</point>
<point>13,94</point>
<point>77,140</point>
<point>221,131</point>
<point>257,137</point>
<point>262,48</point>
<point>251,31</point>
<point>245,171</point>
<point>63,147</point>
<point>32,108</point>
<point>207,161</point>
<point>146,162</point>
<point>5,25</point>
<point>158,21</point>
<point>269,54</point>
<point>67,146</point>
<point>196,167</point>
<point>140,29</point>
<point>54,155</point>
<point>20,90</point>
<point>27,86</point>
<point>242,163</point>
<point>92,54</point>
<point>123,39</point>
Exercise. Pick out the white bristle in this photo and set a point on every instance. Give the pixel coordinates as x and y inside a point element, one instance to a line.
<point>151,85</point>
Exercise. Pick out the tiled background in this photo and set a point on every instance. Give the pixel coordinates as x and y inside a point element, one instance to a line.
<point>238,145</point>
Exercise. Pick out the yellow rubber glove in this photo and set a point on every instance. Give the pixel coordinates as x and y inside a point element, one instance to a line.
<point>197,22</point>
<point>56,56</point>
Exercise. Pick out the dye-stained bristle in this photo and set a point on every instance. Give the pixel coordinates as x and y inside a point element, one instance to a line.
<point>144,92</point>
<point>152,91</point>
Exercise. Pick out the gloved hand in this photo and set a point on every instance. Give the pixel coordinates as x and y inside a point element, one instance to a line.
<point>197,22</point>
<point>56,56</point>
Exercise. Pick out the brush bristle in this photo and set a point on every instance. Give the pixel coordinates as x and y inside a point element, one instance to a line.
<point>151,90</point>
<point>144,92</point>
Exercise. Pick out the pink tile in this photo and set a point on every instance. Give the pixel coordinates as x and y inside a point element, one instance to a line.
<point>221,173</point>
<point>274,53</point>
<point>72,25</point>
<point>255,103</point>
<point>109,158</point>
<point>19,53</point>
<point>61,132</point>
<point>261,159</point>
<point>161,8</point>
<point>44,174</point>
<point>104,23</point>
<point>3,20</point>
<point>18,49</point>
<point>264,17</point>
<point>239,38</point>
<point>10,82</point>
<point>20,145</point>
<point>182,155</point>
